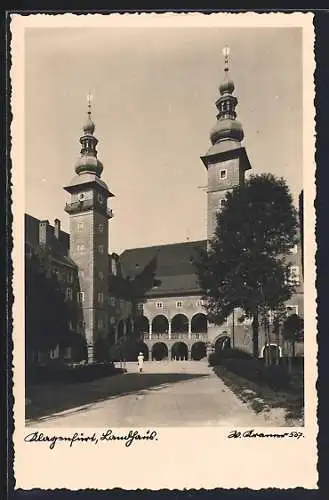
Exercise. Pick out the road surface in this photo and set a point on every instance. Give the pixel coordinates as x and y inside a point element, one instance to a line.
<point>173,393</point>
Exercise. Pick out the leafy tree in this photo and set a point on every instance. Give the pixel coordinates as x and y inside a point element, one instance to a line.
<point>46,313</point>
<point>245,265</point>
<point>293,330</point>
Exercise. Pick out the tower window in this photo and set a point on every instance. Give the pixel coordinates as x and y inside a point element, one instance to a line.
<point>100,297</point>
<point>100,323</point>
<point>81,296</point>
<point>222,203</point>
<point>112,301</point>
<point>179,304</point>
<point>80,247</point>
<point>101,275</point>
<point>100,228</point>
<point>68,294</point>
<point>223,174</point>
<point>100,198</point>
<point>100,248</point>
<point>81,226</point>
<point>70,277</point>
<point>159,305</point>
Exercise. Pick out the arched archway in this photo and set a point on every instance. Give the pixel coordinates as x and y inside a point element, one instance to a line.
<point>179,351</point>
<point>142,347</point>
<point>199,323</point>
<point>271,353</point>
<point>198,351</point>
<point>179,324</point>
<point>159,351</point>
<point>142,324</point>
<point>223,342</point>
<point>160,324</point>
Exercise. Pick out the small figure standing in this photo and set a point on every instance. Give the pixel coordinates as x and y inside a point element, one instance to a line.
<point>140,361</point>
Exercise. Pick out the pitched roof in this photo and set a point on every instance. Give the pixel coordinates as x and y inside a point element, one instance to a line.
<point>172,267</point>
<point>59,247</point>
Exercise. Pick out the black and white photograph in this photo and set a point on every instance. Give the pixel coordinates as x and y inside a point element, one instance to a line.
<point>163,192</point>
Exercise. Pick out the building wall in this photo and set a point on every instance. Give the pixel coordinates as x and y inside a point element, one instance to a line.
<point>89,250</point>
<point>218,187</point>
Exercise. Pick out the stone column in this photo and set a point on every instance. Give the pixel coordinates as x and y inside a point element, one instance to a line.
<point>169,353</point>
<point>189,354</point>
<point>150,329</point>
<point>189,328</point>
<point>169,329</point>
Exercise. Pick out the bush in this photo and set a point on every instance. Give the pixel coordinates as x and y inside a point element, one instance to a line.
<point>217,357</point>
<point>59,373</point>
<point>251,369</point>
<point>276,377</point>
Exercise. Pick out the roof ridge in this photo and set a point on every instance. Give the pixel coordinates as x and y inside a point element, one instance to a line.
<point>164,245</point>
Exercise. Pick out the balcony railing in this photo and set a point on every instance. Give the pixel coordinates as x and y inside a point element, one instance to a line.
<point>203,336</point>
<point>80,206</point>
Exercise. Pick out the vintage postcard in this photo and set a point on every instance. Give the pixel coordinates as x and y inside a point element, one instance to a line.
<point>165,305</point>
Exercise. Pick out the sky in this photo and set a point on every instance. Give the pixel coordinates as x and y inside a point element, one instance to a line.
<point>154,92</point>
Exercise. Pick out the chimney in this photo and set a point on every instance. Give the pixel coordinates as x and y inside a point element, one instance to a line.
<point>44,232</point>
<point>57,228</point>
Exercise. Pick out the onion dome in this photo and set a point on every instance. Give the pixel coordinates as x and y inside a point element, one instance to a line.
<point>227,87</point>
<point>227,126</point>
<point>88,161</point>
<point>89,126</point>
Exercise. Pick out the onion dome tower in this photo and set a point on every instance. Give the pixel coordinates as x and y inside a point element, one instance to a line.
<point>226,161</point>
<point>88,161</point>
<point>89,234</point>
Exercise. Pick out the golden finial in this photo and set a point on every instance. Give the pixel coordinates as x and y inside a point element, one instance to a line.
<point>89,99</point>
<point>226,53</point>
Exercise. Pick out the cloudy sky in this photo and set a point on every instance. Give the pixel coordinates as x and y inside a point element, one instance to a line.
<point>154,104</point>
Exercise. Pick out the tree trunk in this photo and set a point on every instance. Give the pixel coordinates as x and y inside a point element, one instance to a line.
<point>290,358</point>
<point>255,334</point>
<point>277,352</point>
<point>268,360</point>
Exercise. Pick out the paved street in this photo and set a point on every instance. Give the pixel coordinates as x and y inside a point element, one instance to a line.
<point>185,393</point>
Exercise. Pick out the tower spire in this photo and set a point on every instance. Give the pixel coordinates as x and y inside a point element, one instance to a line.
<point>226,53</point>
<point>227,126</point>
<point>88,161</point>
<point>226,160</point>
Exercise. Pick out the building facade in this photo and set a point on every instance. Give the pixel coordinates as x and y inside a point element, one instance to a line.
<point>152,293</point>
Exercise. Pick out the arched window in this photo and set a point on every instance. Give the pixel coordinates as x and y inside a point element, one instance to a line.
<point>179,324</point>
<point>199,323</point>
<point>142,324</point>
<point>160,324</point>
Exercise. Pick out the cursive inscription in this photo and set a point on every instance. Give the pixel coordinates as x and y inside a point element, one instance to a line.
<point>79,437</point>
<point>252,434</point>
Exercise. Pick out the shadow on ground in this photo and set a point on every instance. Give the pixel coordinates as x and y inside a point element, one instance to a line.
<point>54,398</point>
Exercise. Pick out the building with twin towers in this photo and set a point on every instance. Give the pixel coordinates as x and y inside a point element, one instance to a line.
<point>151,293</point>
